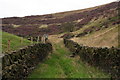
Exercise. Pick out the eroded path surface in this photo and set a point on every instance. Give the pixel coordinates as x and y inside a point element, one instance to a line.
<point>59,64</point>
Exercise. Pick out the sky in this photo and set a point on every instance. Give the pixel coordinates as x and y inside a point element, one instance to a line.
<point>20,8</point>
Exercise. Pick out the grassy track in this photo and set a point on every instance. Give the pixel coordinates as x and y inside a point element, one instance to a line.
<point>60,65</point>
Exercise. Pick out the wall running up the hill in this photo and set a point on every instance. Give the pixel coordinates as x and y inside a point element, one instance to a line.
<point>19,64</point>
<point>107,59</point>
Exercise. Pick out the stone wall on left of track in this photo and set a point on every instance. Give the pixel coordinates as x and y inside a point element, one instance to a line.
<point>18,64</point>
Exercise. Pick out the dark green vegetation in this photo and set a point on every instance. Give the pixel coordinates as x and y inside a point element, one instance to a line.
<point>68,27</point>
<point>15,42</point>
<point>18,64</point>
<point>104,58</point>
<point>68,35</point>
<point>59,64</point>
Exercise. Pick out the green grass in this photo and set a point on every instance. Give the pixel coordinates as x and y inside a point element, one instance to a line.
<point>15,42</point>
<point>60,65</point>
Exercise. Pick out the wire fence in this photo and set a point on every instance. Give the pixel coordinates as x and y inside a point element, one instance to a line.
<point>8,47</point>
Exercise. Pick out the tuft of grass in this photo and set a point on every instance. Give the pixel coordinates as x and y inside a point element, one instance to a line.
<point>15,42</point>
<point>44,26</point>
<point>15,26</point>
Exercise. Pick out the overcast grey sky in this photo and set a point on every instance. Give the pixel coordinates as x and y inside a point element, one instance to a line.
<point>10,8</point>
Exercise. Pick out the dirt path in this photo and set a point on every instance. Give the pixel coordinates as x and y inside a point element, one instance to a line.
<point>104,32</point>
<point>59,64</point>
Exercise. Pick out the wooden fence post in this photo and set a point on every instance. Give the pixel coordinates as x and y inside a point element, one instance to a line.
<point>43,39</point>
<point>31,40</point>
<point>38,39</point>
<point>21,40</point>
<point>8,47</point>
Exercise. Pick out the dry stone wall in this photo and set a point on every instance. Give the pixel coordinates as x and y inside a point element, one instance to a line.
<point>17,65</point>
<point>107,59</point>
